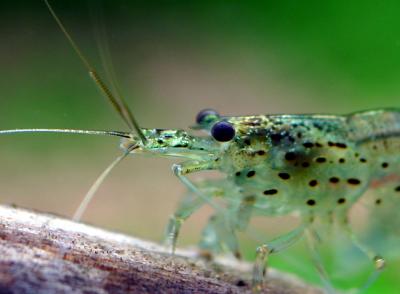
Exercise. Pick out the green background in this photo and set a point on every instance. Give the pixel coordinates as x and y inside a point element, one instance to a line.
<point>173,58</point>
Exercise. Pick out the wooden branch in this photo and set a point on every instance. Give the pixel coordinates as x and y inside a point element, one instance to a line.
<point>42,253</point>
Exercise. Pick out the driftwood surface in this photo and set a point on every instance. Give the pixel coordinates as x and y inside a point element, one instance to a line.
<point>43,253</point>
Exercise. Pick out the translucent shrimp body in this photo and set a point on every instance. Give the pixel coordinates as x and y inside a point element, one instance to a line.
<point>306,163</point>
<point>316,166</point>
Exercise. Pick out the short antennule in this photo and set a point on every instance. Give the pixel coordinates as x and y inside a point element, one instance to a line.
<point>118,103</point>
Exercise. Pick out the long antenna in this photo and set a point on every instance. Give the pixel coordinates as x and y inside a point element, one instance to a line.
<point>118,102</point>
<point>104,49</point>
<point>95,186</point>
<point>70,131</point>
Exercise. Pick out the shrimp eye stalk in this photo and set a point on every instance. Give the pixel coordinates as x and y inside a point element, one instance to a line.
<point>207,116</point>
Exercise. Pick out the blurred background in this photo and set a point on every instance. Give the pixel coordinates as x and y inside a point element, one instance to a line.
<point>172,59</point>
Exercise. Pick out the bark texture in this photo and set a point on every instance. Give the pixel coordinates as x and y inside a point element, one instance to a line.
<point>43,253</point>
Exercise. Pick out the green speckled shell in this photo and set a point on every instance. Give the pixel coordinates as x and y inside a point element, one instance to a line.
<point>317,163</point>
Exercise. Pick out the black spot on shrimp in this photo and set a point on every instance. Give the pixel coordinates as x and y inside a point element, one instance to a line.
<point>320,159</point>
<point>311,202</point>
<point>270,192</point>
<point>334,180</point>
<point>251,173</point>
<point>290,156</point>
<point>284,176</point>
<point>353,181</point>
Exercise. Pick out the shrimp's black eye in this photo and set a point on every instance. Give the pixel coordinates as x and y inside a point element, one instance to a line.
<point>206,115</point>
<point>223,131</point>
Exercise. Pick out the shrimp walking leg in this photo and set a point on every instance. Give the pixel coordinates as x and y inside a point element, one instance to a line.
<point>189,204</point>
<point>272,247</point>
<point>377,259</point>
<point>244,212</point>
<point>219,236</point>
<point>181,170</point>
<point>312,241</point>
<point>194,200</point>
